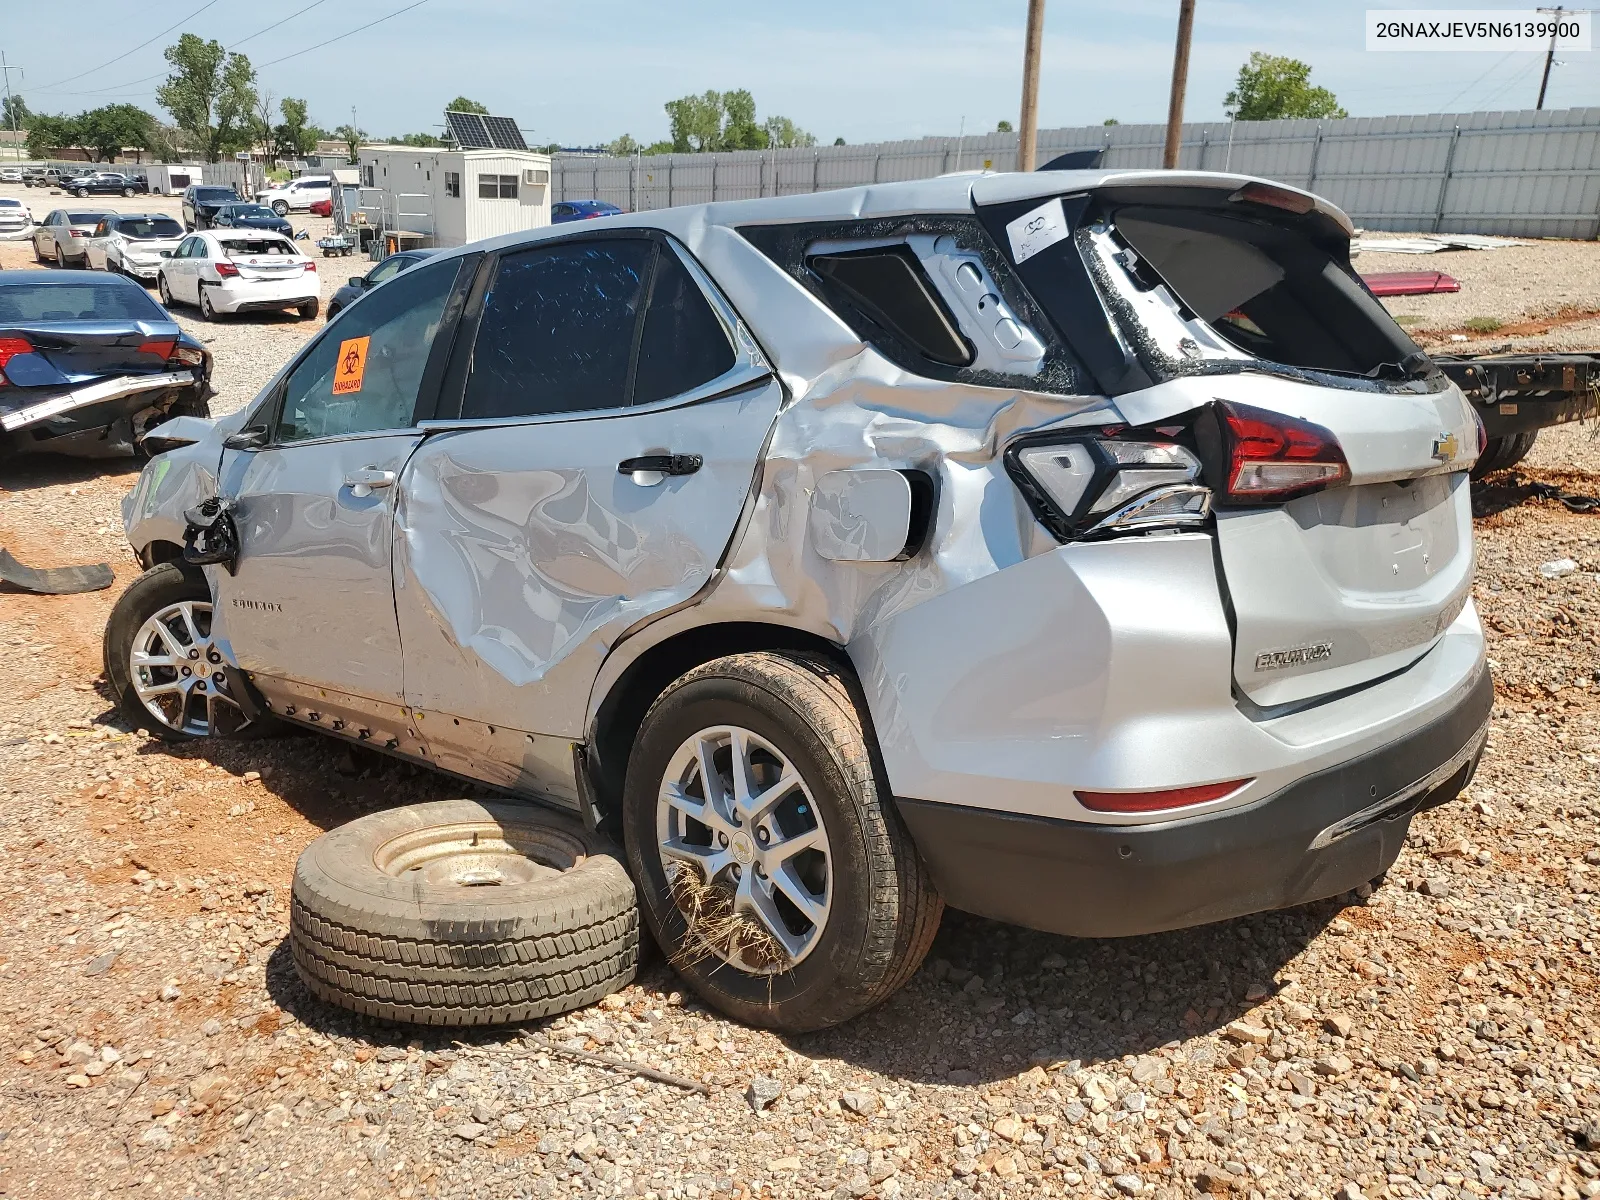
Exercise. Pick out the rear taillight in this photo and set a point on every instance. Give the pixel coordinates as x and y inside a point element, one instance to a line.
<point>1274,197</point>
<point>1483,433</point>
<point>310,266</point>
<point>1113,483</point>
<point>10,347</point>
<point>226,270</point>
<point>186,356</point>
<point>80,233</point>
<point>1273,457</point>
<point>160,347</point>
<point>1148,802</point>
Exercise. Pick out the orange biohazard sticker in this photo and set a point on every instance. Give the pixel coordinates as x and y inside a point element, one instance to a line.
<point>351,367</point>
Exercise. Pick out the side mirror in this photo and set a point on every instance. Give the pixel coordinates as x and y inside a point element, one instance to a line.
<point>166,254</point>
<point>246,439</point>
<point>358,282</point>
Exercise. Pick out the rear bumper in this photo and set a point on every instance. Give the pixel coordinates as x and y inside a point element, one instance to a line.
<point>264,297</point>
<point>1317,837</point>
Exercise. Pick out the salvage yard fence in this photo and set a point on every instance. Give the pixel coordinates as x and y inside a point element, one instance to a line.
<point>1526,173</point>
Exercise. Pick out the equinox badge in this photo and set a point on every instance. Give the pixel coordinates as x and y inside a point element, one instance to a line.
<point>1277,660</point>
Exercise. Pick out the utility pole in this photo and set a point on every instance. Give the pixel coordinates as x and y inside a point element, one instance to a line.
<point>1180,84</point>
<point>1550,54</point>
<point>1028,125</point>
<point>11,107</point>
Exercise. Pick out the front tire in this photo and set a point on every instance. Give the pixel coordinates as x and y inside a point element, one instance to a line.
<point>128,192</point>
<point>280,207</point>
<point>164,291</point>
<point>165,672</point>
<point>786,890</point>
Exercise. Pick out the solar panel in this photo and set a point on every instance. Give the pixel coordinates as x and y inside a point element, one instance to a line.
<point>474,131</point>
<point>469,130</point>
<point>505,135</point>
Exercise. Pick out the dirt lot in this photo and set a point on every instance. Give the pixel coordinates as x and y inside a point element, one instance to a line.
<point>1437,1038</point>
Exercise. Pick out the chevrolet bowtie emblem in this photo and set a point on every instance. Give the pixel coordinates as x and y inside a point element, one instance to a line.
<point>1445,447</point>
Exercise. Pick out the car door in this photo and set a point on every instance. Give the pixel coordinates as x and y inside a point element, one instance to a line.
<point>310,604</point>
<point>99,245</point>
<point>611,416</point>
<point>44,236</point>
<point>178,269</point>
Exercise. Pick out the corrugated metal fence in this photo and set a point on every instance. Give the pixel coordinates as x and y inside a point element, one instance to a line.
<point>1529,174</point>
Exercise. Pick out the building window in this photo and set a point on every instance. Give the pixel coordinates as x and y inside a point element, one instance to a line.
<point>452,184</point>
<point>493,187</point>
<point>366,175</point>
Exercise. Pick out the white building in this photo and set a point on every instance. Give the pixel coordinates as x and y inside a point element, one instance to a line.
<point>450,197</point>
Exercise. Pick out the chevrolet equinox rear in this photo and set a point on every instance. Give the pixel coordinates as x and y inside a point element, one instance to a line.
<point>1087,550</point>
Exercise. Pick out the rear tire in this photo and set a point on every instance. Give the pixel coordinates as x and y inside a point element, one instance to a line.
<point>398,916</point>
<point>207,313</point>
<point>1499,453</point>
<point>1518,448</point>
<point>308,311</point>
<point>878,907</point>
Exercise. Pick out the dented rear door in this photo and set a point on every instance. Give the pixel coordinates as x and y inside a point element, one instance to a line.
<point>594,478</point>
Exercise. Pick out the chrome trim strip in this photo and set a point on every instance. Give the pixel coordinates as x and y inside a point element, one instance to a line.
<point>1375,812</point>
<point>95,393</point>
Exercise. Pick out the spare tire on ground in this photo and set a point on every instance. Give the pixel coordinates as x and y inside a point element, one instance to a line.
<point>463,913</point>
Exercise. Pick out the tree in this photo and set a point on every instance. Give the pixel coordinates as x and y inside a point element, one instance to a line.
<point>107,130</point>
<point>1004,127</point>
<point>838,141</point>
<point>261,126</point>
<point>351,137</point>
<point>14,113</point>
<point>47,133</point>
<point>1271,86</point>
<point>416,139</point>
<point>296,134</point>
<point>211,95</point>
<point>1111,121</point>
<point>623,147</point>
<point>727,121</point>
<point>784,134</point>
<point>462,104</point>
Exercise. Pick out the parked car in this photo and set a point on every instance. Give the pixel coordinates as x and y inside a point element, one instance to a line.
<point>201,202</point>
<point>16,220</point>
<point>1086,549</point>
<point>232,271</point>
<point>360,285</point>
<point>10,174</point>
<point>108,183</point>
<point>89,364</point>
<point>133,243</point>
<point>297,195</point>
<point>61,237</point>
<point>324,206</point>
<point>251,216</point>
<point>581,210</point>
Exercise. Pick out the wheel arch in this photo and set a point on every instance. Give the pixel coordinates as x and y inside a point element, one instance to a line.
<point>160,551</point>
<point>617,710</point>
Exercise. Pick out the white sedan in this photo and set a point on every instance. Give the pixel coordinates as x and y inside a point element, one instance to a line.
<point>132,244</point>
<point>239,270</point>
<point>16,221</point>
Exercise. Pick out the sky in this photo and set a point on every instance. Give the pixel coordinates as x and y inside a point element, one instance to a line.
<point>581,73</point>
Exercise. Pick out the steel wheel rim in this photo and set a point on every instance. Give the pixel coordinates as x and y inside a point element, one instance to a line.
<point>755,833</point>
<point>178,675</point>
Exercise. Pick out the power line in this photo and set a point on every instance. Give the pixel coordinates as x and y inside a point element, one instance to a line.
<point>275,24</point>
<point>50,86</point>
<point>342,36</point>
<point>1498,63</point>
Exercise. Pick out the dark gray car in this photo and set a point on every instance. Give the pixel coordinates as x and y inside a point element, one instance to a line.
<point>360,285</point>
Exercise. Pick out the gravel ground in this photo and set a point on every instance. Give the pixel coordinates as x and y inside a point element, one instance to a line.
<point>1437,1037</point>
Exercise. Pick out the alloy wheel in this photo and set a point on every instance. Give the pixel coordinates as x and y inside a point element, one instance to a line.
<point>178,673</point>
<point>735,821</point>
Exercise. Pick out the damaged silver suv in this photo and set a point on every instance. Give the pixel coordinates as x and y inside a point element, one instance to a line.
<point>1087,550</point>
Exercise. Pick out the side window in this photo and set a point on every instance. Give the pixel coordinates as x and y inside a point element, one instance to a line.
<point>684,345</point>
<point>557,329</point>
<point>386,270</point>
<point>183,248</point>
<point>890,288</point>
<point>365,373</point>
<point>102,229</point>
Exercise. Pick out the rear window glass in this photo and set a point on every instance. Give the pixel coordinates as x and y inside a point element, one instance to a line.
<point>83,218</point>
<point>149,227</point>
<point>245,247</point>
<point>889,287</point>
<point>249,210</point>
<point>683,345</point>
<point>557,330</point>
<point>1268,290</point>
<point>4,203</point>
<point>214,193</point>
<point>91,300</point>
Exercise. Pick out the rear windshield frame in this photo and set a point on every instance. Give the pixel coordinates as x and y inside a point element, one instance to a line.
<point>1086,304</point>
<point>280,245</point>
<point>135,303</point>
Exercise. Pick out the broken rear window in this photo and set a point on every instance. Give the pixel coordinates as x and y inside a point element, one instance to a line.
<point>1207,285</point>
<point>235,248</point>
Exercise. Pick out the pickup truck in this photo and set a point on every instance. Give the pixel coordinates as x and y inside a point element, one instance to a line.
<point>1517,395</point>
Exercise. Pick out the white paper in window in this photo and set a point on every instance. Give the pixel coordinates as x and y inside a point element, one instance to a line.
<point>1037,230</point>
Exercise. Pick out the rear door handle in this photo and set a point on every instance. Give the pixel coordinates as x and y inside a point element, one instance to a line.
<point>662,464</point>
<point>364,482</point>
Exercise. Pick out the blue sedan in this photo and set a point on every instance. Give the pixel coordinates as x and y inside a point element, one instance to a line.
<point>251,216</point>
<point>581,210</point>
